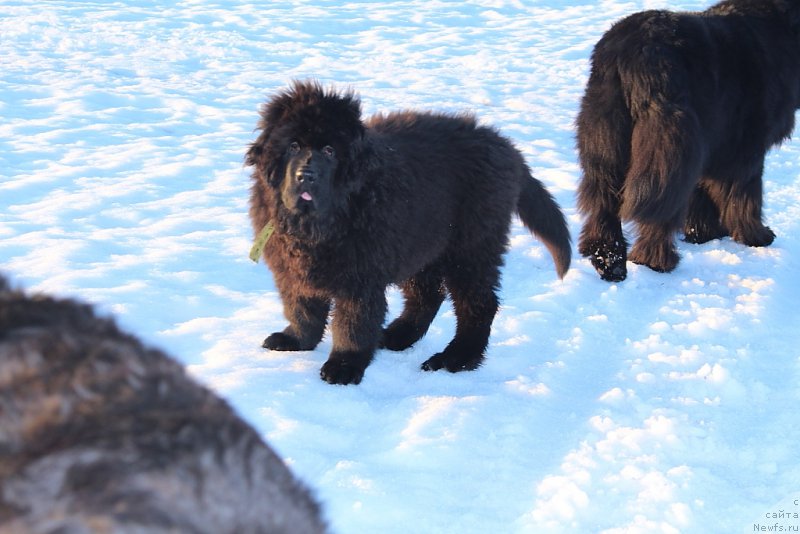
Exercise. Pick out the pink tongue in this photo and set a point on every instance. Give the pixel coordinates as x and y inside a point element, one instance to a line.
<point>305,196</point>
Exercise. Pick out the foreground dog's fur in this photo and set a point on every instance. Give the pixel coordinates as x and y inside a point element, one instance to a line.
<point>423,200</point>
<point>679,111</point>
<point>99,434</point>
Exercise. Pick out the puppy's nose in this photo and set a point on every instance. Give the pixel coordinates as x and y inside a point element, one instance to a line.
<point>306,174</point>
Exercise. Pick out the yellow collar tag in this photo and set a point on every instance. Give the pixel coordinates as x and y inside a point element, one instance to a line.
<point>261,241</point>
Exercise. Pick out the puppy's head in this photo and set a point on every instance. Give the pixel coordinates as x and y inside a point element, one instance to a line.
<point>304,147</point>
<point>307,186</point>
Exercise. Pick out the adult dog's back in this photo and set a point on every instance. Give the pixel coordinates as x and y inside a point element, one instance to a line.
<point>679,111</point>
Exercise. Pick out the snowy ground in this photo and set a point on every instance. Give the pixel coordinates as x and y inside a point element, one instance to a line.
<point>666,403</point>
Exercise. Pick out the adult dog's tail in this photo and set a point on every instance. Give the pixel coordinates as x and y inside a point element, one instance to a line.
<point>666,140</point>
<point>666,159</point>
<point>540,213</point>
<point>639,138</point>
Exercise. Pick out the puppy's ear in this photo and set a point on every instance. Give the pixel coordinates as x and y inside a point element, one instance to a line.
<point>259,155</point>
<point>255,154</point>
<point>271,173</point>
<point>265,165</point>
<point>271,115</point>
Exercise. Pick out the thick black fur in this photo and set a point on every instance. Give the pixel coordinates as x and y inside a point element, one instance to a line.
<point>99,433</point>
<point>418,199</point>
<point>679,112</point>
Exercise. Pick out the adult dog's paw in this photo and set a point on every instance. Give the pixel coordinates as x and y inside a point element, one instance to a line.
<point>702,233</point>
<point>344,368</point>
<point>453,361</point>
<point>608,260</point>
<point>609,268</point>
<point>660,256</point>
<point>281,341</point>
<point>758,236</point>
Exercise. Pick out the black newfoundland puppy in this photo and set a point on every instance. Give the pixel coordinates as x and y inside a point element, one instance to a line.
<point>418,199</point>
<point>679,111</point>
<point>99,433</point>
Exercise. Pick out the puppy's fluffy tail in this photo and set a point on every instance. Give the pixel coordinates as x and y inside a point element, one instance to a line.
<point>541,214</point>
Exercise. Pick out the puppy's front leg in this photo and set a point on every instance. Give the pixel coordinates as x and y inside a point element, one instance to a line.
<point>307,317</point>
<point>356,327</point>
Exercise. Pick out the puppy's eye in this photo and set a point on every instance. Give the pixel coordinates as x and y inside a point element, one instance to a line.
<point>294,148</point>
<point>329,151</point>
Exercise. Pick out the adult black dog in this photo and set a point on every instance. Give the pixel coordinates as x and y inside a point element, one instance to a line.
<point>101,434</point>
<point>419,199</point>
<point>679,112</point>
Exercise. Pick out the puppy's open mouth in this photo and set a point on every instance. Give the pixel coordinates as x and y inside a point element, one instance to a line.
<point>305,195</point>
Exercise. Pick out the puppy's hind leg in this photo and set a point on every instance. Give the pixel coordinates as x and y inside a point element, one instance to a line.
<point>424,293</point>
<point>472,288</point>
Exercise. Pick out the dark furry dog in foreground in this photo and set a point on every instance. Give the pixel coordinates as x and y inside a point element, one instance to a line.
<point>418,199</point>
<point>100,434</point>
<point>679,112</point>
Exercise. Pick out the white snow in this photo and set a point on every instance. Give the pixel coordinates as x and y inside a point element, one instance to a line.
<point>666,403</point>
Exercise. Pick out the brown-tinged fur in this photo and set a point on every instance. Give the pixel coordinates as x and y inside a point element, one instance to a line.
<point>422,200</point>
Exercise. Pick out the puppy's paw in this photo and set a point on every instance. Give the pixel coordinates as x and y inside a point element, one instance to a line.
<point>344,368</point>
<point>453,361</point>
<point>281,341</point>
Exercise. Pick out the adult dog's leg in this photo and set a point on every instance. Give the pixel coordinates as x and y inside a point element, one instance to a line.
<point>604,129</point>
<point>703,218</point>
<point>655,247</point>
<point>601,239</point>
<point>472,288</point>
<point>603,242</point>
<point>356,330</point>
<point>740,206</point>
<point>307,317</point>
<point>424,293</point>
